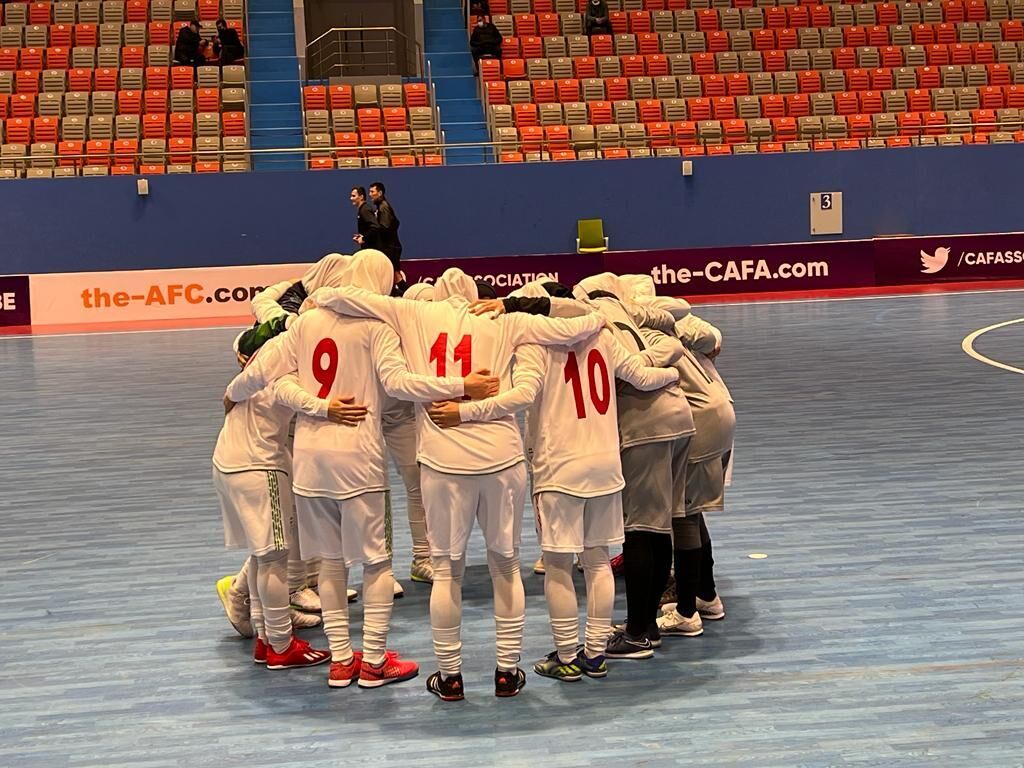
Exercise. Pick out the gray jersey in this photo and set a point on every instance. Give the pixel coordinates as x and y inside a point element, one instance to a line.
<point>646,417</point>
<point>711,405</point>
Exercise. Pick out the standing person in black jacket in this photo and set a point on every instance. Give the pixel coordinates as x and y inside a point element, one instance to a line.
<point>368,231</point>
<point>388,222</point>
<point>228,45</point>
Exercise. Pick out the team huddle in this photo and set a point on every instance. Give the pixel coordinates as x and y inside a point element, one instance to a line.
<point>629,432</point>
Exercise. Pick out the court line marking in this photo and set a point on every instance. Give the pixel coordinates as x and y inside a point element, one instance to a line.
<point>710,303</point>
<point>967,345</point>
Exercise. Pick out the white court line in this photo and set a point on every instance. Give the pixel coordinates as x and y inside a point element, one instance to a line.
<point>883,297</point>
<point>967,345</point>
<point>712,303</point>
<point>38,336</point>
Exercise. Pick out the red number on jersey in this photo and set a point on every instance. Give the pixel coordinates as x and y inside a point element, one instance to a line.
<point>324,374</point>
<point>463,352</point>
<point>600,388</point>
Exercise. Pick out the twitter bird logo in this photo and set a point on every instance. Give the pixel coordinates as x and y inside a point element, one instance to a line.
<point>932,264</point>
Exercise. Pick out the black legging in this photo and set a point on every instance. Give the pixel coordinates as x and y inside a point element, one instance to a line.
<point>647,560</point>
<point>695,576</point>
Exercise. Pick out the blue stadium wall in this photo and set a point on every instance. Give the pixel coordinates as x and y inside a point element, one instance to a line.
<point>227,219</point>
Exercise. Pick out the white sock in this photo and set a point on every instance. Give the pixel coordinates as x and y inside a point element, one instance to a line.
<point>414,508</point>
<point>273,595</point>
<point>600,599</point>
<point>296,567</point>
<point>446,614</point>
<point>312,572</point>
<point>255,607</point>
<point>562,606</point>
<point>378,599</point>
<point>333,587</point>
<point>241,581</point>
<point>509,608</point>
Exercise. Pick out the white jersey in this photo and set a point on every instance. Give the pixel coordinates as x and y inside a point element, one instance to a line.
<point>340,356</point>
<point>255,436</point>
<point>572,432</point>
<point>443,337</point>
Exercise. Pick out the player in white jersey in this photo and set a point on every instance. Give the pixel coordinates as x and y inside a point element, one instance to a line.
<point>474,471</point>
<point>572,440</point>
<point>340,474</point>
<point>251,465</point>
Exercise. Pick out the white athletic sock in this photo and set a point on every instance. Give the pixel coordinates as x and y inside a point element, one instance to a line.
<point>414,509</point>
<point>600,599</point>
<point>378,599</point>
<point>333,587</point>
<point>509,608</point>
<point>273,592</point>
<point>255,607</point>
<point>446,614</point>
<point>296,567</point>
<point>312,572</point>
<point>241,581</point>
<point>562,606</point>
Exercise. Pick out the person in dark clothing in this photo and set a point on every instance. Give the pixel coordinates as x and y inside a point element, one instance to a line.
<point>388,221</point>
<point>485,41</point>
<point>479,8</point>
<point>368,231</point>
<point>597,20</point>
<point>228,45</point>
<point>186,47</point>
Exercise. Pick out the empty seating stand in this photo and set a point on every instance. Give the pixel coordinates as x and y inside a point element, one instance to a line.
<point>712,77</point>
<point>90,88</point>
<point>354,126</point>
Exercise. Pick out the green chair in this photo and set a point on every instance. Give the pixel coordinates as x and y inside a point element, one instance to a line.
<point>590,236</point>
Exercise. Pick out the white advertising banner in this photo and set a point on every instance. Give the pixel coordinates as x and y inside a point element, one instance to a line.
<point>157,294</point>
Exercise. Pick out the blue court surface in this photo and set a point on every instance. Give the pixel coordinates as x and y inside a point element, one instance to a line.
<point>878,467</point>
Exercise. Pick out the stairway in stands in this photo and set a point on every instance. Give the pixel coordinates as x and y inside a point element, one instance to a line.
<point>446,46</point>
<point>274,90</point>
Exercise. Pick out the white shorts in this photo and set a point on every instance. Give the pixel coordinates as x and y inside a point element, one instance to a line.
<point>257,508</point>
<point>351,529</point>
<point>452,502</point>
<point>571,523</point>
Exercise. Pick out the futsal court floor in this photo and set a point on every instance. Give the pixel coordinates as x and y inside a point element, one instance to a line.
<point>878,468</point>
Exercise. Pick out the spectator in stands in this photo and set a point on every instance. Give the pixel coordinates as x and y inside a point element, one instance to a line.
<point>228,45</point>
<point>367,229</point>
<point>388,242</point>
<point>597,19</point>
<point>186,47</point>
<point>479,8</point>
<point>485,42</point>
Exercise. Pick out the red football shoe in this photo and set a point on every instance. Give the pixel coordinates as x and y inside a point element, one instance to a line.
<point>618,564</point>
<point>297,654</point>
<point>392,670</point>
<point>343,675</point>
<point>259,652</point>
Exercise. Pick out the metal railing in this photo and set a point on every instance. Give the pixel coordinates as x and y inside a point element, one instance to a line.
<point>481,152</point>
<point>363,52</point>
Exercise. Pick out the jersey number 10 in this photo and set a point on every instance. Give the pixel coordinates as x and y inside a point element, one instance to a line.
<point>597,380</point>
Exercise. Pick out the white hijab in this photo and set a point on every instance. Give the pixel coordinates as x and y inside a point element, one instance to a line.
<point>370,270</point>
<point>532,290</point>
<point>455,283</point>
<point>326,273</point>
<point>419,292</point>
<point>606,281</point>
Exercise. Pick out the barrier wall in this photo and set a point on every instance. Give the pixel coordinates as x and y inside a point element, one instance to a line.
<point>83,224</point>
<point>180,295</point>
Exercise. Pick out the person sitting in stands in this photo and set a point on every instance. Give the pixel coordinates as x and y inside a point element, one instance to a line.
<point>186,47</point>
<point>485,42</point>
<point>228,45</point>
<point>597,20</point>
